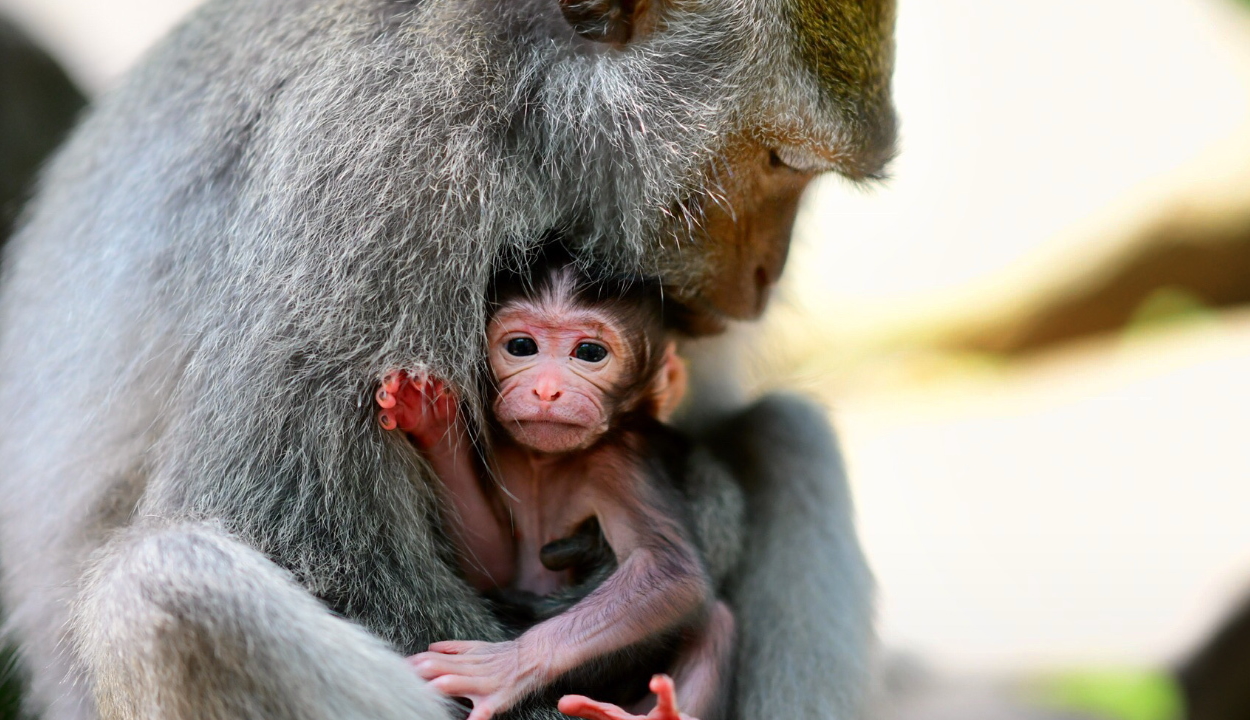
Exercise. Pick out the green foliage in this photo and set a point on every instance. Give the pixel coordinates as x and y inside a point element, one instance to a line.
<point>1167,306</point>
<point>1113,694</point>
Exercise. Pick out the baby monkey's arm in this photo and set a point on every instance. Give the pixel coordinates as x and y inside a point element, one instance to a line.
<point>659,583</point>
<point>425,410</point>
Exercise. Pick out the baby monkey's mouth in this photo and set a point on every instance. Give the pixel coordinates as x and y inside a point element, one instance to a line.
<point>580,415</point>
<point>554,424</point>
<point>551,435</point>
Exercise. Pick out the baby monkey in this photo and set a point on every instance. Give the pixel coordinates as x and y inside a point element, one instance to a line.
<point>582,373</point>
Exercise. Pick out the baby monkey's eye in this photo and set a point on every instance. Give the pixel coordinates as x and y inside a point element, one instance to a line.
<point>590,352</point>
<point>521,346</point>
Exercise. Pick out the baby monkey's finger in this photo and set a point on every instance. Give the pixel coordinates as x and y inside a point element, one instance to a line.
<point>387,420</point>
<point>481,711</point>
<point>665,698</point>
<point>391,381</point>
<point>460,686</point>
<point>385,398</point>
<point>583,707</point>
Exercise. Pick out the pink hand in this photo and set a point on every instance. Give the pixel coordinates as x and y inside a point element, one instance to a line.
<point>422,407</point>
<point>665,705</point>
<point>493,676</point>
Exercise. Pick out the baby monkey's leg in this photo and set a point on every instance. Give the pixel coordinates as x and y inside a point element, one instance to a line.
<point>700,678</point>
<point>703,666</point>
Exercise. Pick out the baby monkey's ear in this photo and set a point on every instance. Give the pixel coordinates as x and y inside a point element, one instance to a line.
<point>669,386</point>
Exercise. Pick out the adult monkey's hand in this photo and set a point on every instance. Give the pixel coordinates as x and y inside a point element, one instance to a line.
<point>287,199</point>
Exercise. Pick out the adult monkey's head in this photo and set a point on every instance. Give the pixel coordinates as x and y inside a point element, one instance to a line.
<point>370,162</point>
<point>789,89</point>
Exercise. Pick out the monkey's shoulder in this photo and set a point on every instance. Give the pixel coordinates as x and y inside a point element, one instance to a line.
<point>662,449</point>
<point>676,460</point>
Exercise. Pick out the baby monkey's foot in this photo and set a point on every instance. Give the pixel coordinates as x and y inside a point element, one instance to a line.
<point>665,705</point>
<point>421,406</point>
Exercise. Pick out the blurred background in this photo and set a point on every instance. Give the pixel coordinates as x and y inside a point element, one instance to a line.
<point>1034,340</point>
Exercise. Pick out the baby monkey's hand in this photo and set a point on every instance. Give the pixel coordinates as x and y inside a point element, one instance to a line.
<point>421,406</point>
<point>494,676</point>
<point>665,705</point>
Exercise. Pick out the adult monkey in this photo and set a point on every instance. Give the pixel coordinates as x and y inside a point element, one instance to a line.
<point>290,197</point>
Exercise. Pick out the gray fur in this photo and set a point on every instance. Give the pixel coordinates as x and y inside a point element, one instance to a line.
<point>717,512</point>
<point>284,200</point>
<point>163,603</point>
<point>804,623</point>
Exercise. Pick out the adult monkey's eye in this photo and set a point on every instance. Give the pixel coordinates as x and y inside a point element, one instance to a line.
<point>590,352</point>
<point>521,347</point>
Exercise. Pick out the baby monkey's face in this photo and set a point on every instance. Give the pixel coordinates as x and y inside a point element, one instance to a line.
<point>558,368</point>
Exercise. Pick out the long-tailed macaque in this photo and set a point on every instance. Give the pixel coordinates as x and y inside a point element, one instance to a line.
<point>581,370</point>
<point>285,200</point>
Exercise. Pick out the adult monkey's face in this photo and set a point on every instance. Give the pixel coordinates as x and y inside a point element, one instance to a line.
<point>829,111</point>
<point>819,101</point>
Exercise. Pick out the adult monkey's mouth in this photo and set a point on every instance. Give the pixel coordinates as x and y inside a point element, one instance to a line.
<point>746,215</point>
<point>698,317</point>
<point>747,208</point>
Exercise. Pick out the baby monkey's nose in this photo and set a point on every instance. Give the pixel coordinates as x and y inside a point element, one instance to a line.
<point>546,390</point>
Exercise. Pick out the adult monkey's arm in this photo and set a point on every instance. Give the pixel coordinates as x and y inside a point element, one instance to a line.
<point>288,198</point>
<point>802,590</point>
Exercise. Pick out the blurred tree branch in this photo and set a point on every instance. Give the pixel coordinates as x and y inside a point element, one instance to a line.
<point>1201,255</point>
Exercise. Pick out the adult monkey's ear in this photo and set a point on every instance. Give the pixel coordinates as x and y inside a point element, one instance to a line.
<point>609,21</point>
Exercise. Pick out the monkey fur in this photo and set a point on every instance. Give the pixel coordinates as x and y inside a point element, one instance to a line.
<point>285,199</point>
<point>579,455</point>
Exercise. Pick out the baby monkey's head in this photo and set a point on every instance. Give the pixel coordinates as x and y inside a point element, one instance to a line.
<point>571,353</point>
